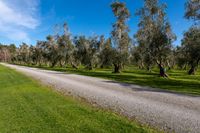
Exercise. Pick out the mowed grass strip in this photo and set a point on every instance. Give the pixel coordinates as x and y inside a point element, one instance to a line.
<point>28,107</point>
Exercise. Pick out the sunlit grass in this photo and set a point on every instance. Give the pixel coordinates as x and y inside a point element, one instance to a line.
<point>28,107</point>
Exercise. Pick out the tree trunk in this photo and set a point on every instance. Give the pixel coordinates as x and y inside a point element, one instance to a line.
<point>73,65</point>
<point>60,63</point>
<point>192,70</point>
<point>162,69</point>
<point>116,68</point>
<point>89,67</point>
<point>141,65</point>
<point>53,64</point>
<point>149,68</point>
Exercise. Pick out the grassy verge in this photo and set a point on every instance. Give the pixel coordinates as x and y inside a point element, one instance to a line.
<point>179,81</point>
<point>26,106</point>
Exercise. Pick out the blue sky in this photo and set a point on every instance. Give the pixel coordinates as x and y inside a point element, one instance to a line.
<point>32,20</point>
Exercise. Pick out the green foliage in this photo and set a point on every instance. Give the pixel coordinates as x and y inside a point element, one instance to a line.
<point>65,46</point>
<point>192,9</point>
<point>120,37</point>
<point>87,50</point>
<point>23,55</point>
<point>106,54</point>
<point>154,36</point>
<point>191,46</point>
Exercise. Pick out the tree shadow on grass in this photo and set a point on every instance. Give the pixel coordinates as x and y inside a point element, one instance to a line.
<point>142,78</point>
<point>165,89</point>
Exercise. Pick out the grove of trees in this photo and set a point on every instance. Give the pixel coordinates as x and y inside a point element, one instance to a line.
<point>151,45</point>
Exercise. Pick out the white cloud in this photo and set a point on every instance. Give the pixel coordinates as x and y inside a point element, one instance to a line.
<point>18,16</point>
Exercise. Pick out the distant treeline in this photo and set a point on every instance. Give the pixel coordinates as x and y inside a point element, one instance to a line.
<point>151,45</point>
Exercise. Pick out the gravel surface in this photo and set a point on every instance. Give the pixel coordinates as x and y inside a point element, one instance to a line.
<point>166,111</point>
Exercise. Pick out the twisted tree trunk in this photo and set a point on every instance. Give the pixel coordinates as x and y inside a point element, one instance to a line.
<point>192,70</point>
<point>116,68</point>
<point>53,64</point>
<point>162,70</point>
<point>73,65</point>
<point>193,67</point>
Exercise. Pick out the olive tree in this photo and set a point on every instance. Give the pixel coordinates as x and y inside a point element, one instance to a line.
<point>86,50</point>
<point>191,40</point>
<point>120,37</point>
<point>191,46</point>
<point>66,48</point>
<point>154,35</point>
<point>106,54</point>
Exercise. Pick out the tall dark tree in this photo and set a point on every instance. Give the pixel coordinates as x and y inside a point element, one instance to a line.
<point>191,40</point>
<point>66,48</point>
<point>191,46</point>
<point>120,37</point>
<point>154,34</point>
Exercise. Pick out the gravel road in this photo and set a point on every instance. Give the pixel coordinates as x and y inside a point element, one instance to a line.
<point>167,111</point>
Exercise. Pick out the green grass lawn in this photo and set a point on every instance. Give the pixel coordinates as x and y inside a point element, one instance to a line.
<point>179,81</point>
<point>28,107</point>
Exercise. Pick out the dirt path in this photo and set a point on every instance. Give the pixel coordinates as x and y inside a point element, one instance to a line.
<point>171,112</point>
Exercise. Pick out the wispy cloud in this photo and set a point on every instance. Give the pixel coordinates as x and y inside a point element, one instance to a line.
<point>17,17</point>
